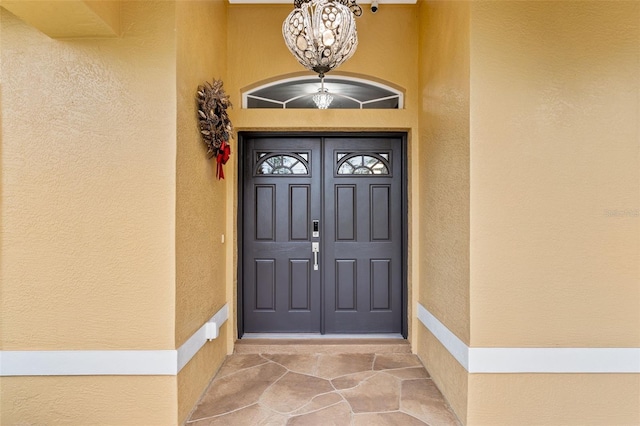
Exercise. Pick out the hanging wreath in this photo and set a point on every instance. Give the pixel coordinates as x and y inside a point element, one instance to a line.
<point>215,126</point>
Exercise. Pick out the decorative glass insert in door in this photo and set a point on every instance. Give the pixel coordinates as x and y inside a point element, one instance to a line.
<point>359,163</point>
<point>291,163</point>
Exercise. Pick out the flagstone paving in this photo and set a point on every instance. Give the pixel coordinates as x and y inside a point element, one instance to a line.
<point>322,389</point>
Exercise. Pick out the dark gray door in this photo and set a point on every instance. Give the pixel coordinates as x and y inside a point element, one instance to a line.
<point>322,235</point>
<point>363,236</point>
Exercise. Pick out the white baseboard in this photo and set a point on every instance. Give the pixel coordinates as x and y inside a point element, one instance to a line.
<point>112,363</point>
<point>531,360</point>
<point>170,362</point>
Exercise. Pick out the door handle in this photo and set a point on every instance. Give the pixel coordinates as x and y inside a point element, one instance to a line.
<point>315,248</point>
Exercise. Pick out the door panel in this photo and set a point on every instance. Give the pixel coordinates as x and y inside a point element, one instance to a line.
<point>363,235</point>
<point>281,197</point>
<point>353,187</point>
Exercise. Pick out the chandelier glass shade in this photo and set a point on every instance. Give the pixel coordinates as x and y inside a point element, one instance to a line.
<point>321,34</point>
<point>322,99</point>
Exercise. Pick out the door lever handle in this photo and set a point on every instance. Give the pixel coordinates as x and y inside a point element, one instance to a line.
<point>315,248</point>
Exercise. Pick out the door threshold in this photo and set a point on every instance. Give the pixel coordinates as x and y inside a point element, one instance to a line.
<point>311,343</point>
<point>307,336</point>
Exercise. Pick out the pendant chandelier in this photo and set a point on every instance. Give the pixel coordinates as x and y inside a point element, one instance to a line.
<point>322,99</point>
<point>321,34</point>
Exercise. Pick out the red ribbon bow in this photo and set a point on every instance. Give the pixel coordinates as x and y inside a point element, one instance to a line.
<point>223,157</point>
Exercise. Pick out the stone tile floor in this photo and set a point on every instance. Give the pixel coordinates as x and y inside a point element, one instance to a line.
<point>322,389</point>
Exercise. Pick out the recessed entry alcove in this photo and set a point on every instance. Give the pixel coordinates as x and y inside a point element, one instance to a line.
<point>347,93</point>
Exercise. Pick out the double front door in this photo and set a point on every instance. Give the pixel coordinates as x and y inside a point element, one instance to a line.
<point>322,235</point>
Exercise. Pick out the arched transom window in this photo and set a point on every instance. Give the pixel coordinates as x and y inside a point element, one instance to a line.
<point>347,93</point>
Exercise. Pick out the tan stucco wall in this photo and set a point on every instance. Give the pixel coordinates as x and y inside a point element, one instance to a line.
<point>107,10</point>
<point>554,399</point>
<point>200,198</point>
<point>444,163</point>
<point>445,371</point>
<point>554,153</point>
<point>88,186</point>
<point>555,195</point>
<point>544,195</point>
<point>88,208</point>
<point>443,192</point>
<point>197,374</point>
<point>69,18</point>
<point>88,400</point>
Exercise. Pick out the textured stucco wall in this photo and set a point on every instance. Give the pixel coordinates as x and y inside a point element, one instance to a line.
<point>444,163</point>
<point>88,186</point>
<point>543,189</point>
<point>196,375</point>
<point>88,400</point>
<point>443,193</point>
<point>88,208</point>
<point>555,195</point>
<point>554,399</point>
<point>555,176</point>
<point>451,378</point>
<point>200,202</point>
<point>69,18</point>
<point>108,11</point>
<point>200,198</point>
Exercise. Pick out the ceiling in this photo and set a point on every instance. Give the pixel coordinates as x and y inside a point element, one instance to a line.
<point>291,2</point>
